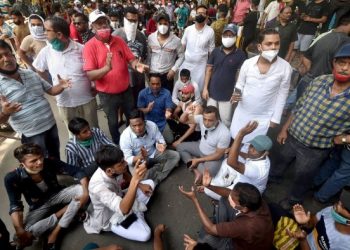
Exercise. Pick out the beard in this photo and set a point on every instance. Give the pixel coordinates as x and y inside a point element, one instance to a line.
<point>9,72</point>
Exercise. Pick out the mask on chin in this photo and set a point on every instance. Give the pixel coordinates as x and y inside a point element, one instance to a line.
<point>269,55</point>
<point>340,77</point>
<point>9,72</point>
<point>339,218</point>
<point>29,171</point>
<point>57,44</point>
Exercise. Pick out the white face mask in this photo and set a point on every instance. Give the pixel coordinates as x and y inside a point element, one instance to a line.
<point>163,29</point>
<point>228,42</point>
<point>29,171</point>
<point>269,54</point>
<point>130,30</point>
<point>37,30</point>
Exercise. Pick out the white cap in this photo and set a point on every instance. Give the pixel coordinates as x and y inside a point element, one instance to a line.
<point>96,14</point>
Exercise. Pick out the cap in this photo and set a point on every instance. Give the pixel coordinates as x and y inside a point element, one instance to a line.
<point>163,16</point>
<point>188,89</point>
<point>231,27</point>
<point>96,14</point>
<point>345,197</point>
<point>261,143</point>
<point>344,51</point>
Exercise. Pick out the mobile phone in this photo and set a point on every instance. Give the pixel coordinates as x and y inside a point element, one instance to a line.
<point>237,91</point>
<point>128,221</point>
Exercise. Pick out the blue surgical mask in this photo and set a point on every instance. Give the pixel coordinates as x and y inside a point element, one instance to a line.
<point>57,44</point>
<point>340,219</point>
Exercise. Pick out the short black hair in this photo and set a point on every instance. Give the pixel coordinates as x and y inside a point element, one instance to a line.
<point>212,109</point>
<point>135,114</point>
<point>265,32</point>
<point>59,25</point>
<point>83,16</point>
<point>156,75</point>
<point>77,124</point>
<point>36,16</point>
<point>256,2</point>
<point>108,155</point>
<point>222,8</point>
<point>16,13</point>
<point>248,196</point>
<point>130,9</point>
<point>285,7</point>
<point>26,149</point>
<point>5,45</point>
<point>202,6</point>
<point>71,12</point>
<point>185,73</point>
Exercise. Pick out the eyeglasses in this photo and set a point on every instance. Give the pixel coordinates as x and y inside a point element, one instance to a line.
<point>78,23</point>
<point>206,134</point>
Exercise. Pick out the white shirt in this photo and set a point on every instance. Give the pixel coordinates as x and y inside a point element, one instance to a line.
<point>131,145</point>
<point>217,138</point>
<point>176,95</point>
<point>263,96</point>
<point>69,65</point>
<point>272,10</point>
<point>106,195</point>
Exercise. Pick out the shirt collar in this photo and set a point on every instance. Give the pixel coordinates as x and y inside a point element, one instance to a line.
<point>134,136</point>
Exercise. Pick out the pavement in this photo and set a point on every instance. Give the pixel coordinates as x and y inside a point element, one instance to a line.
<point>167,206</point>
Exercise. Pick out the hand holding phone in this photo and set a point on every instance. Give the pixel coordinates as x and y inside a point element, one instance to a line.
<point>236,95</point>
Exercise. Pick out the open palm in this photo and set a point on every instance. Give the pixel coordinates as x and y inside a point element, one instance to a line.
<point>300,215</point>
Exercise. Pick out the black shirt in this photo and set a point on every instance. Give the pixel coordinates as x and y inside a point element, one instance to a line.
<point>314,10</point>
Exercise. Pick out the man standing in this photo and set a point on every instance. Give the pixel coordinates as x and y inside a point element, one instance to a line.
<point>165,52</point>
<point>220,23</point>
<point>21,30</point>
<point>24,105</point>
<point>142,141</point>
<point>210,150</point>
<point>262,87</point>
<point>137,43</point>
<point>320,120</point>
<point>81,23</point>
<point>63,59</point>
<point>182,14</point>
<point>199,41</point>
<point>106,62</point>
<point>223,65</point>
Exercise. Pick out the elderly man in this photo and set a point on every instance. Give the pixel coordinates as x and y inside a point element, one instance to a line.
<point>165,52</point>
<point>24,105</point>
<point>106,62</point>
<point>63,59</point>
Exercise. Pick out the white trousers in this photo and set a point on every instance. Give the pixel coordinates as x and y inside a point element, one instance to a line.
<point>225,110</point>
<point>138,230</point>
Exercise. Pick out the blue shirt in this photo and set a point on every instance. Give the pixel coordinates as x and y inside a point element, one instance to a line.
<point>161,102</point>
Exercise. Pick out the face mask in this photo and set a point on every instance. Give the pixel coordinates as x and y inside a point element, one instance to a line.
<point>37,30</point>
<point>57,44</point>
<point>228,42</point>
<point>340,219</point>
<point>269,54</point>
<point>103,34</point>
<point>340,77</point>
<point>9,72</point>
<point>200,18</point>
<point>163,29</point>
<point>114,24</point>
<point>130,30</point>
<point>29,171</point>
<point>211,128</point>
<point>85,143</point>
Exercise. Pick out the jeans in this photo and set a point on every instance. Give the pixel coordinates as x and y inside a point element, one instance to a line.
<point>337,168</point>
<point>48,141</point>
<point>307,163</point>
<point>110,104</point>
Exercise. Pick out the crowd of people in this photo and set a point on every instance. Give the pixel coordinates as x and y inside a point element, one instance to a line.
<point>201,86</point>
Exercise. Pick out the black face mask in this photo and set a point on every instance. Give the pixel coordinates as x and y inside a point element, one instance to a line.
<point>200,18</point>
<point>9,72</point>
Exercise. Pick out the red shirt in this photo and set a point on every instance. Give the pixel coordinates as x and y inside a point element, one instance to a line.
<point>74,34</point>
<point>95,53</point>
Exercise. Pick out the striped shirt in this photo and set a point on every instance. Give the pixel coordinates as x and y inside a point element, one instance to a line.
<point>36,115</point>
<point>78,155</point>
<point>318,117</point>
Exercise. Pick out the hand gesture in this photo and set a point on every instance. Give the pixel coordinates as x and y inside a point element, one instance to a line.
<point>64,83</point>
<point>160,147</point>
<point>282,136</point>
<point>141,68</point>
<point>170,75</point>
<point>160,228</point>
<point>189,243</point>
<point>9,108</point>
<point>205,94</point>
<point>146,189</point>
<point>194,163</point>
<point>248,128</point>
<point>190,109</point>
<point>144,153</point>
<point>190,194</point>
<point>109,60</point>
<point>168,114</point>
<point>236,97</point>
<point>299,234</point>
<point>140,171</point>
<point>206,179</point>
<point>300,215</point>
<point>150,106</point>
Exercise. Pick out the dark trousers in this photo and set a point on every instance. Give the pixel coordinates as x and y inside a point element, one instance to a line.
<point>179,129</point>
<point>110,104</point>
<point>168,84</point>
<point>307,163</point>
<point>48,141</point>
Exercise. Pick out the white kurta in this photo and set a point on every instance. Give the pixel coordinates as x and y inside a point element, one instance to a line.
<point>198,43</point>
<point>263,96</point>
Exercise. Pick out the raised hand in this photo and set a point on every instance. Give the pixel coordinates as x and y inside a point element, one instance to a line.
<point>189,243</point>
<point>248,128</point>
<point>9,108</point>
<point>140,170</point>
<point>300,215</point>
<point>64,83</point>
<point>190,194</point>
<point>206,179</point>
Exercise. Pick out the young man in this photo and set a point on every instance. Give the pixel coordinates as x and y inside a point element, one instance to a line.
<point>183,81</point>
<point>249,164</point>
<point>209,151</point>
<point>221,73</point>
<point>51,207</point>
<point>220,23</point>
<point>243,220</point>
<point>155,102</point>
<point>142,140</point>
<point>81,23</point>
<point>116,209</point>
<point>21,30</point>
<point>86,141</point>
<point>262,87</point>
